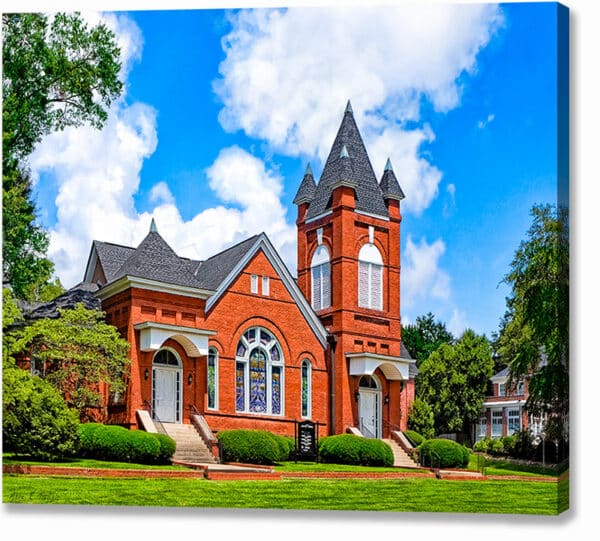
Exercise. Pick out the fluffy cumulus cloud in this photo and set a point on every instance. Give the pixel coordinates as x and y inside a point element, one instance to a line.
<point>422,276</point>
<point>97,174</point>
<point>287,75</point>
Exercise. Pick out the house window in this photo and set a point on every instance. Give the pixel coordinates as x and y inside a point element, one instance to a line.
<point>321,279</point>
<point>496,423</point>
<point>306,389</point>
<point>482,427</point>
<point>253,283</point>
<point>501,389</point>
<point>259,373</point>
<point>212,379</point>
<point>265,285</point>
<point>520,389</point>
<point>514,421</point>
<point>370,277</point>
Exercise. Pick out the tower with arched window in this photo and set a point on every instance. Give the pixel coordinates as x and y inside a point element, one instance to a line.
<point>349,270</point>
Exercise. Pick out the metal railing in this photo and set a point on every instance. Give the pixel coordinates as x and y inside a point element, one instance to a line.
<point>432,458</point>
<point>157,422</point>
<point>204,431</point>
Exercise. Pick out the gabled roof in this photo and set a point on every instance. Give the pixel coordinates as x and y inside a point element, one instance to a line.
<point>111,257</point>
<point>348,163</point>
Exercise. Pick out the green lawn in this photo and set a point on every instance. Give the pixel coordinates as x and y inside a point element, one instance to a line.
<point>430,495</point>
<point>8,458</point>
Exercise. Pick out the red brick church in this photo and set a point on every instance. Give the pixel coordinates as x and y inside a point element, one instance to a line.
<point>239,341</point>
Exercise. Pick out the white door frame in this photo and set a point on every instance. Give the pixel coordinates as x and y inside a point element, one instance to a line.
<point>366,396</point>
<point>176,373</point>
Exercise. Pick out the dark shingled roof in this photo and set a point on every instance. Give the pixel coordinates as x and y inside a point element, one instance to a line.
<point>111,257</point>
<point>81,293</point>
<point>155,260</point>
<point>390,188</point>
<point>215,269</point>
<point>308,187</point>
<point>502,374</point>
<point>355,169</point>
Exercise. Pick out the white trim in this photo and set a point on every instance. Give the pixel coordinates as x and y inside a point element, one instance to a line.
<point>154,335</point>
<point>318,217</point>
<point>393,368</point>
<point>127,282</point>
<point>274,258</point>
<point>503,404</point>
<point>91,264</point>
<point>178,371</point>
<point>371,215</point>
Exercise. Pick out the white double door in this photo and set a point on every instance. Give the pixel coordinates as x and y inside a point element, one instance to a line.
<point>167,394</point>
<point>369,413</point>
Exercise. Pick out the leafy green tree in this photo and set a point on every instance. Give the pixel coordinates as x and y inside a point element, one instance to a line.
<point>534,337</point>
<point>10,315</point>
<point>421,419</point>
<point>35,419</point>
<point>453,380</point>
<point>56,72</point>
<point>82,356</point>
<point>425,336</point>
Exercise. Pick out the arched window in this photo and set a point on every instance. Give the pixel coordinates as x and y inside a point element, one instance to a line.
<point>259,373</point>
<point>306,388</point>
<point>212,379</point>
<point>321,280</point>
<point>370,277</point>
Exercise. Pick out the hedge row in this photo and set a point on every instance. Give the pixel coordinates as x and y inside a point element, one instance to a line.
<point>110,442</point>
<point>255,446</point>
<point>414,437</point>
<point>352,449</point>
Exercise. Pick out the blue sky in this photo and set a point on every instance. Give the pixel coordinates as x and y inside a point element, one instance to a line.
<point>223,110</point>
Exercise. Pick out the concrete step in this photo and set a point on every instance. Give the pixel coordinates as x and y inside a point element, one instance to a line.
<point>401,457</point>
<point>189,446</point>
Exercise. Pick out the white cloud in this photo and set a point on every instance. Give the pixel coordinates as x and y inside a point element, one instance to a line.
<point>483,123</point>
<point>422,276</point>
<point>288,74</point>
<point>97,174</point>
<point>458,322</point>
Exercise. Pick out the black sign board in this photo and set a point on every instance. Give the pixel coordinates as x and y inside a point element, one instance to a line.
<point>307,440</point>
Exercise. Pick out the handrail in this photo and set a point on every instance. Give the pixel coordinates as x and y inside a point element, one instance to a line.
<point>155,417</point>
<point>431,453</point>
<point>204,431</point>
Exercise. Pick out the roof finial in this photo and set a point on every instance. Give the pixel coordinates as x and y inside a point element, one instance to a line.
<point>153,228</point>
<point>308,170</point>
<point>348,108</point>
<point>388,166</point>
<point>344,152</point>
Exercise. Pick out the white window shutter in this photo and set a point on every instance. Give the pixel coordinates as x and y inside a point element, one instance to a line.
<point>325,286</point>
<point>376,286</point>
<point>316,288</point>
<point>363,284</point>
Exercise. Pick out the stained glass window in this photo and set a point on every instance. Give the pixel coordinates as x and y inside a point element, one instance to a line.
<point>212,379</point>
<point>306,389</point>
<point>320,275</point>
<point>259,373</point>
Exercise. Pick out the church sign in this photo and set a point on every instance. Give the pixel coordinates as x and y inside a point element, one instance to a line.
<point>307,436</point>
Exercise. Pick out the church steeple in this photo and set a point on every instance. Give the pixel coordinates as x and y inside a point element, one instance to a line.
<point>348,164</point>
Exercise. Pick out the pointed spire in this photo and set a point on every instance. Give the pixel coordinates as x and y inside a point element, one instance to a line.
<point>349,108</point>
<point>390,188</point>
<point>307,189</point>
<point>153,228</point>
<point>344,152</point>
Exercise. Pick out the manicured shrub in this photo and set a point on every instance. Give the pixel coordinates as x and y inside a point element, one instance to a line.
<point>106,442</point>
<point>444,454</point>
<point>286,446</point>
<point>508,444</point>
<point>351,449</point>
<point>481,446</point>
<point>496,447</point>
<point>35,419</point>
<point>414,437</point>
<point>250,446</point>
